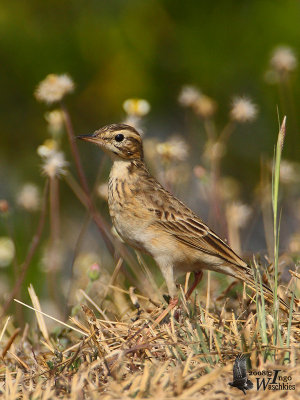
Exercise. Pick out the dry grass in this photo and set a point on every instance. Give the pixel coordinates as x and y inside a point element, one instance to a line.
<point>190,354</point>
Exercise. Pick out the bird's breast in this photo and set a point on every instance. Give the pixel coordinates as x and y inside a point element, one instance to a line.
<point>127,216</point>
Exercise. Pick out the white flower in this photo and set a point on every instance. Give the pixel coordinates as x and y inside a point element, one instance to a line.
<point>55,121</point>
<point>243,110</point>
<point>283,59</point>
<point>201,104</point>
<point>188,96</point>
<point>7,251</point>
<point>55,164</point>
<point>136,107</point>
<point>53,88</point>
<point>29,197</point>
<point>47,148</point>
<point>174,149</point>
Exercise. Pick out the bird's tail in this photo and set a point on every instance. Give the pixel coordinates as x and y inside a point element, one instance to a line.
<point>267,292</point>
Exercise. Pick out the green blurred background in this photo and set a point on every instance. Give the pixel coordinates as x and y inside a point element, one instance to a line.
<point>149,49</point>
<point>120,49</point>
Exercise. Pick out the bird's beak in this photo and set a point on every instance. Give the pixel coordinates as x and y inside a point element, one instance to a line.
<point>92,137</point>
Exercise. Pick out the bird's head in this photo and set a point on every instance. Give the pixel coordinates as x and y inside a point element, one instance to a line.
<point>120,141</point>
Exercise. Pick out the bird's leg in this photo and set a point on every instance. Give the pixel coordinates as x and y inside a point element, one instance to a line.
<point>173,303</point>
<point>168,273</point>
<point>197,278</point>
<point>174,300</point>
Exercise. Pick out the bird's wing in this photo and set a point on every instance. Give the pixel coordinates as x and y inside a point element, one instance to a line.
<point>239,368</point>
<point>191,231</point>
<point>181,222</point>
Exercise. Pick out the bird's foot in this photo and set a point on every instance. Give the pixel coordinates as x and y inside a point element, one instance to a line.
<point>172,303</point>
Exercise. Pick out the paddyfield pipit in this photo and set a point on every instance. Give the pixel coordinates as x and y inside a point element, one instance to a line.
<point>151,219</point>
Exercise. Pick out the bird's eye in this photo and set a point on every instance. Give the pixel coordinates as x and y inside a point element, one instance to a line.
<point>119,137</point>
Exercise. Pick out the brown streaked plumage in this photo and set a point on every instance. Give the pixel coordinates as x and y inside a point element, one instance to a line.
<point>152,220</point>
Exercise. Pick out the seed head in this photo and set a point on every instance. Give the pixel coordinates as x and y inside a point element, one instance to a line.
<point>55,121</point>
<point>53,88</point>
<point>174,149</point>
<point>47,148</point>
<point>205,106</point>
<point>7,251</point>
<point>283,59</point>
<point>188,96</point>
<point>55,165</point>
<point>136,107</point>
<point>243,110</point>
<point>29,197</point>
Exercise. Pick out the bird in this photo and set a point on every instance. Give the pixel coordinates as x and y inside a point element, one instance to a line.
<point>150,219</point>
<point>240,379</point>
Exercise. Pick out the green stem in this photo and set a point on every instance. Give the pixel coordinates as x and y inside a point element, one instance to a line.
<point>276,222</point>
